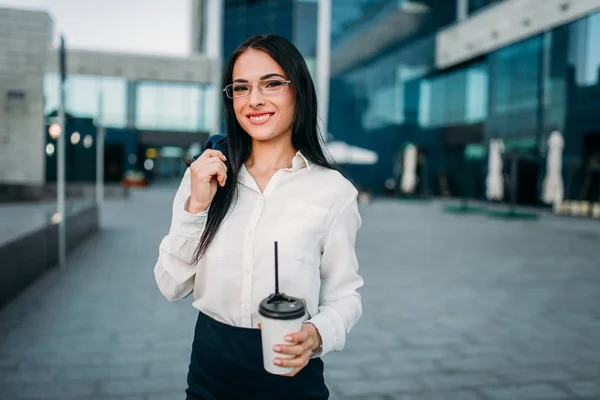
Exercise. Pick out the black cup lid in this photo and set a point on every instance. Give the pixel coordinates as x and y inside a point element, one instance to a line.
<point>280,306</point>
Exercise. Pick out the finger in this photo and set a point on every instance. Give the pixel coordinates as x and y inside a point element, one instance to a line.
<point>297,337</point>
<point>296,362</point>
<point>294,372</point>
<point>259,325</point>
<point>215,160</point>
<point>207,172</point>
<point>208,153</point>
<point>222,173</point>
<point>297,349</point>
<point>217,168</point>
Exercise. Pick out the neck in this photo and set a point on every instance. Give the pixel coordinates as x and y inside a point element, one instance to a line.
<point>271,155</point>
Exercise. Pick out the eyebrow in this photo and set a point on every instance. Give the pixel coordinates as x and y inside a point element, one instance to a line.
<point>261,78</point>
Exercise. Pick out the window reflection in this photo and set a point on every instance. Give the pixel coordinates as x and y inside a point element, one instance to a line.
<point>516,77</point>
<point>171,106</point>
<point>84,94</point>
<point>454,98</point>
<point>584,54</point>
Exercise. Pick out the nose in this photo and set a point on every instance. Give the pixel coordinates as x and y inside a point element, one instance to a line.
<point>256,97</point>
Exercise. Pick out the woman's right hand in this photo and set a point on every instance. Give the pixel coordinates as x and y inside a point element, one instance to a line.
<point>208,171</point>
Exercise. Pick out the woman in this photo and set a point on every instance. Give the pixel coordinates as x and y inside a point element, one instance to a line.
<point>274,184</point>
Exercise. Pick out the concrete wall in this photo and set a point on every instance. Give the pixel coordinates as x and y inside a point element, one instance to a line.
<point>136,67</point>
<point>505,23</point>
<point>25,37</point>
<point>27,258</point>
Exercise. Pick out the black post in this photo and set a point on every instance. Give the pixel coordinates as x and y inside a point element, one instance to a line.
<point>514,167</point>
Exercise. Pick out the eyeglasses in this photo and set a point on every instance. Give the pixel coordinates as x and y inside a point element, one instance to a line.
<point>238,90</point>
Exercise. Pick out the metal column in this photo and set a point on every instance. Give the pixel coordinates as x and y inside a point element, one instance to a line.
<point>323,63</point>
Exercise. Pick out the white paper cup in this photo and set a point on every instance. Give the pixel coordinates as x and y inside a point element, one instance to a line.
<point>273,332</point>
<point>281,315</point>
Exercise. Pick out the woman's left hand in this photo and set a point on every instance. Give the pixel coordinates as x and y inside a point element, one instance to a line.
<point>307,341</point>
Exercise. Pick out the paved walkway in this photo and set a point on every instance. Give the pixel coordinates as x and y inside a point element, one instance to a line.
<point>455,307</point>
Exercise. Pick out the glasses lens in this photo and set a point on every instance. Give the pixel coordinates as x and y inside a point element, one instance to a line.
<point>240,90</point>
<point>272,86</point>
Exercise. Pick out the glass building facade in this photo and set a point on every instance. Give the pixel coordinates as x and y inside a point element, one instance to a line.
<point>141,118</point>
<point>379,103</point>
<point>143,105</point>
<point>475,5</point>
<point>296,20</point>
<point>519,93</point>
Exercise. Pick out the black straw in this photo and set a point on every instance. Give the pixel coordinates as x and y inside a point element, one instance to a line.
<point>276,270</point>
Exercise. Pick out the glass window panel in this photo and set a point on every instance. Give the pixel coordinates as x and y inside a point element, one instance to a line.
<point>83,96</point>
<point>209,108</point>
<point>477,84</point>
<point>114,101</point>
<point>425,104</point>
<point>51,92</point>
<point>168,106</point>
<point>585,52</point>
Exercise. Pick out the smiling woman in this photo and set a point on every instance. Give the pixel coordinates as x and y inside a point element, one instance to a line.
<point>269,183</point>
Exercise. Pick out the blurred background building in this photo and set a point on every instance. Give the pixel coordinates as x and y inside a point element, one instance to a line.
<point>449,75</point>
<point>444,75</point>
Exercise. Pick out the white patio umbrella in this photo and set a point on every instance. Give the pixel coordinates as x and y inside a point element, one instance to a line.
<point>409,169</point>
<point>552,189</point>
<point>494,181</point>
<point>343,153</point>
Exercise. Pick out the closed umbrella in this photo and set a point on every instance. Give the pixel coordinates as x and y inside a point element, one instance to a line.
<point>552,189</point>
<point>494,182</point>
<point>409,169</point>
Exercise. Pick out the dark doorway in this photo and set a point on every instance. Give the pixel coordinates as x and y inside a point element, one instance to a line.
<point>113,162</point>
<point>591,168</point>
<point>529,170</point>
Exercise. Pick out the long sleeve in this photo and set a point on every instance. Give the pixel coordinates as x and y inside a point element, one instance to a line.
<point>340,305</point>
<point>173,271</point>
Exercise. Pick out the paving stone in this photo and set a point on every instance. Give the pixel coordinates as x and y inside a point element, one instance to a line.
<point>143,386</point>
<point>340,373</point>
<point>526,392</point>
<point>584,370</point>
<point>353,358</point>
<point>167,368</point>
<point>589,388</point>
<point>10,377</point>
<point>166,396</point>
<point>445,395</point>
<point>130,371</point>
<point>510,307</point>
<point>399,368</point>
<point>421,354</point>
<point>56,390</point>
<point>475,363</point>
<point>440,382</point>
<point>362,387</point>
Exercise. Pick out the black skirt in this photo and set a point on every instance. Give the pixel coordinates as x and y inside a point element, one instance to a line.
<point>227,364</point>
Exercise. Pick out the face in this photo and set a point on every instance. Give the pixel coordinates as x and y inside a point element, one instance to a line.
<point>264,116</point>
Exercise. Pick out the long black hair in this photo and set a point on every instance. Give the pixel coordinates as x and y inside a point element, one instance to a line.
<point>305,132</point>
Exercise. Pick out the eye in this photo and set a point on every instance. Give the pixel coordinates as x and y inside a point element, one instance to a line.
<point>240,88</point>
<point>273,84</point>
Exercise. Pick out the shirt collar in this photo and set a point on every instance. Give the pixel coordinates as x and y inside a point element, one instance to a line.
<point>300,161</point>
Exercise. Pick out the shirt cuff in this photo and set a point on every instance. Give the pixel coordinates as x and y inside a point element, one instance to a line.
<point>190,225</point>
<point>327,332</point>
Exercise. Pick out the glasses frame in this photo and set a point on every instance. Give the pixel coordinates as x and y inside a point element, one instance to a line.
<point>285,81</point>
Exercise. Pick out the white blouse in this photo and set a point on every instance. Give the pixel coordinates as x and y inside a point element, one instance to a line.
<point>313,214</point>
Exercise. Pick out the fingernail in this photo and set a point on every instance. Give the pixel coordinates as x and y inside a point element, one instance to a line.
<point>288,338</point>
<point>277,348</point>
<point>277,361</point>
